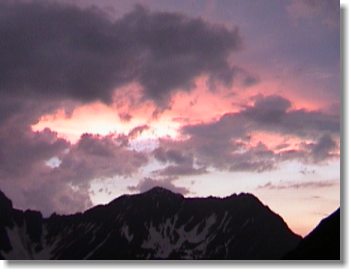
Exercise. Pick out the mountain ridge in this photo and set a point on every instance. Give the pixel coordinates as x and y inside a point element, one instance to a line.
<point>157,224</point>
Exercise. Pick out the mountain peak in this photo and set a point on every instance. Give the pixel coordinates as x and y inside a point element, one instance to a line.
<point>5,203</point>
<point>247,196</point>
<point>158,191</point>
<point>5,211</point>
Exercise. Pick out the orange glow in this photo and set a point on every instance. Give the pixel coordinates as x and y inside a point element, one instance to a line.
<point>291,205</point>
<point>98,118</point>
<point>101,119</point>
<point>199,105</point>
<point>94,118</point>
<point>202,104</point>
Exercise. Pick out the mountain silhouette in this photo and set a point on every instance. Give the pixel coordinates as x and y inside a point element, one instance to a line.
<point>323,243</point>
<point>157,224</point>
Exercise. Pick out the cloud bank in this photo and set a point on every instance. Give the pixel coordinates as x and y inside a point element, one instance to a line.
<point>58,51</point>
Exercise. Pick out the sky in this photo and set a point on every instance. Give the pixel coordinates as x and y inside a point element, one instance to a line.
<point>104,98</point>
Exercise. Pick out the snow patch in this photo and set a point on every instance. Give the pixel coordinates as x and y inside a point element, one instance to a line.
<point>161,238</point>
<point>23,247</point>
<point>125,232</point>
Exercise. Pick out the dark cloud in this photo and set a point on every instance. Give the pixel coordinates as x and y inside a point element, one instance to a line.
<point>56,51</point>
<point>298,185</point>
<point>59,51</point>
<point>175,49</point>
<point>148,183</point>
<point>23,112</point>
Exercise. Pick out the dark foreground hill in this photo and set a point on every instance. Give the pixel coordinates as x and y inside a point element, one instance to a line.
<point>157,224</point>
<point>323,243</point>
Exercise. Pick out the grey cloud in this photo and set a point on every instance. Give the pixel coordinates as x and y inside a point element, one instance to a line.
<point>23,150</point>
<point>224,143</point>
<point>256,159</point>
<point>167,183</point>
<point>25,176</point>
<point>306,171</point>
<point>298,185</point>
<point>305,8</point>
<point>125,117</point>
<point>125,140</point>
<point>135,132</point>
<point>182,163</point>
<point>180,170</point>
<point>309,123</point>
<point>172,156</point>
<point>315,197</point>
<point>59,51</point>
<point>98,157</point>
<point>268,109</point>
<point>323,148</point>
<point>326,11</point>
<point>54,196</point>
<point>251,80</point>
<point>273,113</point>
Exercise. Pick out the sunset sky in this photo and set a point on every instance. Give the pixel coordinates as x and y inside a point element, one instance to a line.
<point>100,98</point>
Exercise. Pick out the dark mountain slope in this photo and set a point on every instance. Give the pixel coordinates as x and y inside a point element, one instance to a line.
<point>157,224</point>
<point>323,243</point>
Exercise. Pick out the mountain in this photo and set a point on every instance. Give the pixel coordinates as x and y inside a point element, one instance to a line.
<point>323,243</point>
<point>157,224</point>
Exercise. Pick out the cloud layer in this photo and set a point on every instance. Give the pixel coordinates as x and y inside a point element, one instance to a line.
<point>298,185</point>
<point>225,143</point>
